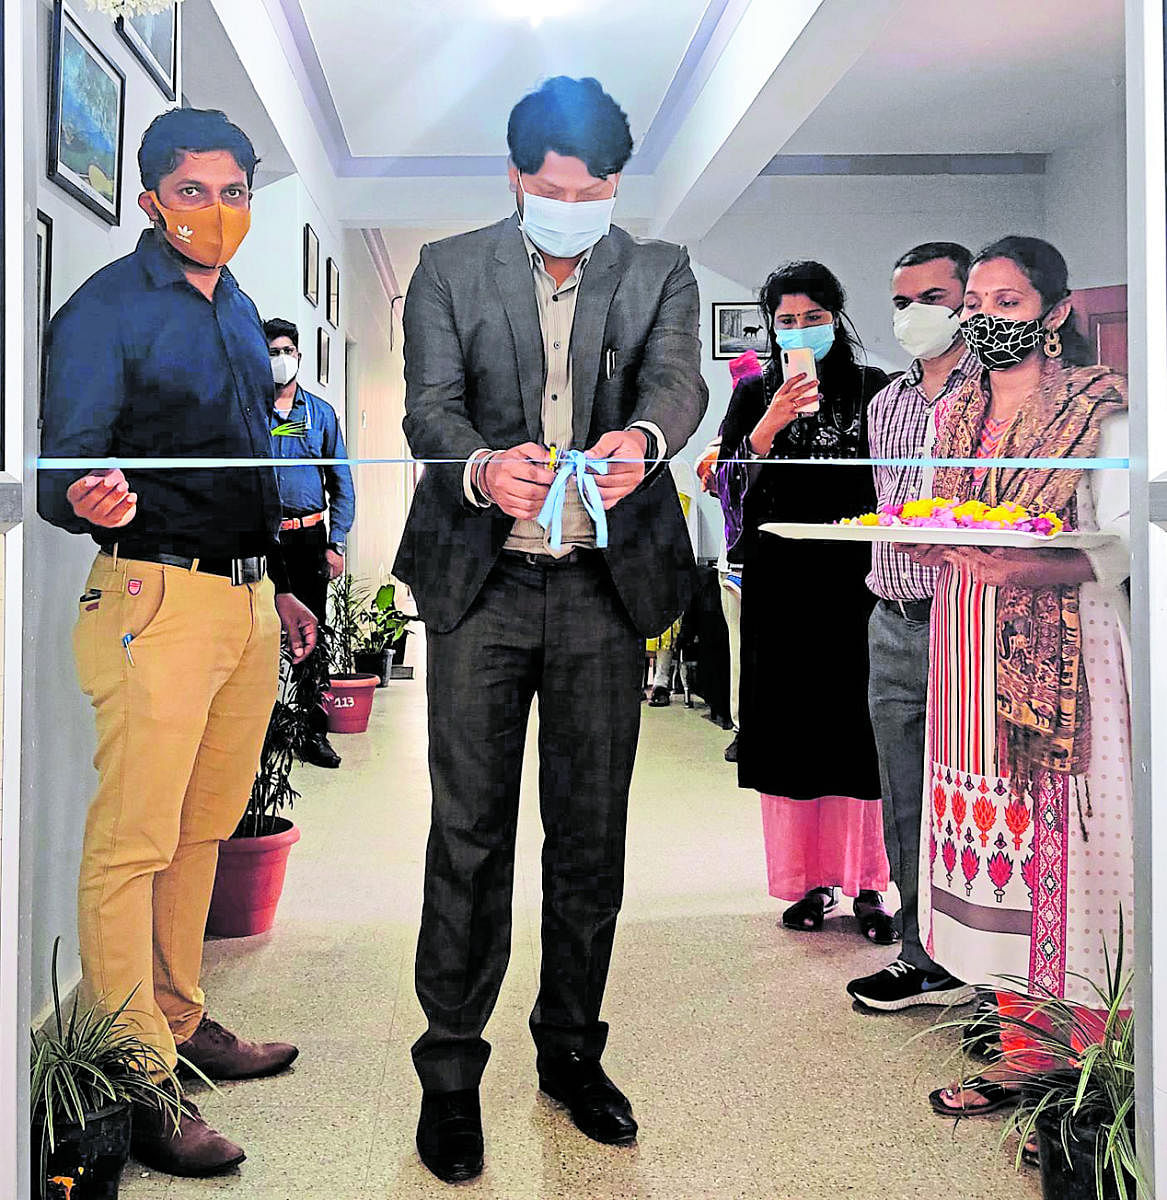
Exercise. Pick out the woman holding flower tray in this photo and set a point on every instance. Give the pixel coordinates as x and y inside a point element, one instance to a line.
<point>1027,785</point>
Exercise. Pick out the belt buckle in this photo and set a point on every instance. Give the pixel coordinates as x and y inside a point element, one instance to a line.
<point>247,570</point>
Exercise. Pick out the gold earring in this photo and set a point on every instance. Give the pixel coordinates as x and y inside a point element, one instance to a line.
<point>1053,344</point>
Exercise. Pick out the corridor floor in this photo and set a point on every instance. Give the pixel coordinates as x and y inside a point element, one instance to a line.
<point>751,1074</point>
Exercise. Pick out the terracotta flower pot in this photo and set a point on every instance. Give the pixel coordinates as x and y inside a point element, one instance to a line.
<point>249,881</point>
<point>349,700</point>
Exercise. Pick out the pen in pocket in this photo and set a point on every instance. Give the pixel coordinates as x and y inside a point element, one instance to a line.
<point>129,637</point>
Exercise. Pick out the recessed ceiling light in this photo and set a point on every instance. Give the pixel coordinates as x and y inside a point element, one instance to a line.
<point>535,12</point>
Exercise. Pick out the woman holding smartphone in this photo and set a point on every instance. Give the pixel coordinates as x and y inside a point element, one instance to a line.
<point>805,741</point>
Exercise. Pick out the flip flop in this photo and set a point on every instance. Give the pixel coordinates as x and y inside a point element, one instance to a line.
<point>806,916</point>
<point>994,1094</point>
<point>876,925</point>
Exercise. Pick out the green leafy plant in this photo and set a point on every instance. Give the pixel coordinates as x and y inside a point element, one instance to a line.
<point>348,599</point>
<point>1089,1096</point>
<point>290,429</point>
<point>289,730</point>
<point>91,1061</point>
<point>383,622</point>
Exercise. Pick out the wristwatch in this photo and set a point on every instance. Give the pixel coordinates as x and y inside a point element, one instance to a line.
<point>338,547</point>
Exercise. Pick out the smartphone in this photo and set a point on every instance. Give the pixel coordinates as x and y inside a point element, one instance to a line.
<point>800,362</point>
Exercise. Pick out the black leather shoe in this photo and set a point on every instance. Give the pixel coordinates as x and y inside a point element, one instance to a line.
<point>596,1104</point>
<point>731,750</point>
<point>660,698</point>
<point>449,1135</point>
<point>319,753</point>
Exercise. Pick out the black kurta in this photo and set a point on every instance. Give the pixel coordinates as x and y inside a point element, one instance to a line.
<point>805,730</point>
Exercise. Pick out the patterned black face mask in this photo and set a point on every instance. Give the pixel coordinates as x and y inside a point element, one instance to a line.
<point>1001,342</point>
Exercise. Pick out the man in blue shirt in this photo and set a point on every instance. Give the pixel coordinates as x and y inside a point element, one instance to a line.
<point>305,426</point>
<point>160,355</point>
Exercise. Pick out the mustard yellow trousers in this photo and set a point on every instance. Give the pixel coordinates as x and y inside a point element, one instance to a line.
<point>181,714</point>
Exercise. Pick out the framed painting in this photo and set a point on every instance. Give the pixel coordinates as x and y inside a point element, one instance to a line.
<point>156,40</point>
<point>332,289</point>
<point>311,265</point>
<point>322,349</point>
<point>87,110</point>
<point>44,286</point>
<point>739,327</point>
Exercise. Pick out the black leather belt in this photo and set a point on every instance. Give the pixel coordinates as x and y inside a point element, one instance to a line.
<point>573,559</point>
<point>911,610</point>
<point>238,570</point>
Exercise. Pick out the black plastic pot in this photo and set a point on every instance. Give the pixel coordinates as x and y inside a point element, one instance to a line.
<point>399,648</point>
<point>87,1162</point>
<point>1072,1178</point>
<point>374,662</point>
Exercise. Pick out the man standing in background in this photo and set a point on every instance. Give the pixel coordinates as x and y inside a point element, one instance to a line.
<point>306,426</point>
<point>161,355</point>
<point>927,294</point>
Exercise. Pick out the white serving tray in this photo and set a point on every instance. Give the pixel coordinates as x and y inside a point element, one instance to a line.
<point>915,535</point>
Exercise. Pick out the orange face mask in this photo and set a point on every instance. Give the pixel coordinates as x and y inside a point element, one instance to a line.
<point>208,235</point>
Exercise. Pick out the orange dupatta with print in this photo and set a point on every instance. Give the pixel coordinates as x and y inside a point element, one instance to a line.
<point>1043,706</point>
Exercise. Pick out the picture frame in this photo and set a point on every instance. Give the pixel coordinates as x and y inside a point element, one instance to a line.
<point>156,42</point>
<point>322,353</point>
<point>739,326</point>
<point>311,265</point>
<point>87,112</point>
<point>44,286</point>
<point>332,293</point>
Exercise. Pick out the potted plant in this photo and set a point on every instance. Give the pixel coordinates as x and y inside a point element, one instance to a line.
<point>253,862</point>
<point>350,691</point>
<point>1081,1111</point>
<point>86,1073</point>
<point>384,629</point>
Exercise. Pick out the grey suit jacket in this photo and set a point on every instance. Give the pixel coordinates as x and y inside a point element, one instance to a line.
<point>474,377</point>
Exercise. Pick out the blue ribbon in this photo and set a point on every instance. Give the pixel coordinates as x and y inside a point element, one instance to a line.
<point>575,462</point>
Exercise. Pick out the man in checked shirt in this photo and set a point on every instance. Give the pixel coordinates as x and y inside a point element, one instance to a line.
<point>927,294</point>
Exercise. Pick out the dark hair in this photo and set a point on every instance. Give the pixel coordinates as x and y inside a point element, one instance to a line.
<point>575,118</point>
<point>960,257</point>
<point>1045,268</point>
<point>277,327</point>
<point>173,133</point>
<point>816,281</point>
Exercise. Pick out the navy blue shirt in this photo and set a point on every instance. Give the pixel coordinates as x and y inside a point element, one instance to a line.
<point>303,489</point>
<point>141,365</point>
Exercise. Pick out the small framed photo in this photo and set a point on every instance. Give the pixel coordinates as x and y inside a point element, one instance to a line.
<point>311,265</point>
<point>738,328</point>
<point>322,349</point>
<point>87,109</point>
<point>156,40</point>
<point>44,285</point>
<point>332,285</point>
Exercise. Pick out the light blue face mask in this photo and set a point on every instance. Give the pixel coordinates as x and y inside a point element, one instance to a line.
<point>564,229</point>
<point>819,338</point>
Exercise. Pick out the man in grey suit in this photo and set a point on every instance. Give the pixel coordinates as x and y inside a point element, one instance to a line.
<point>547,333</point>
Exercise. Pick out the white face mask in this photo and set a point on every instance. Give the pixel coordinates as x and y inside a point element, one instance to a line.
<point>284,368</point>
<point>562,228</point>
<point>925,330</point>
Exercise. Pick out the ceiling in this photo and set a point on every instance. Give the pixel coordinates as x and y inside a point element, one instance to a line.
<point>438,78</point>
<point>993,76</point>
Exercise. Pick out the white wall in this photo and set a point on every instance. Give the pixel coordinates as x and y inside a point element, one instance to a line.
<point>1085,206</point>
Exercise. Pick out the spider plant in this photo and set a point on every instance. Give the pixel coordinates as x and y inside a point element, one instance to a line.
<point>87,1063</point>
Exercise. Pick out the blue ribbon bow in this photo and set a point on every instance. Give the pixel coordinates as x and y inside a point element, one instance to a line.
<point>575,462</point>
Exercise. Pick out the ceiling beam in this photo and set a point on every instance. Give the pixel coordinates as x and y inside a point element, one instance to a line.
<point>781,61</point>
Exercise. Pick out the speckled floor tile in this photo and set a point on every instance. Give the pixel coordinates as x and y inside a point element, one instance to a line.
<point>751,1074</point>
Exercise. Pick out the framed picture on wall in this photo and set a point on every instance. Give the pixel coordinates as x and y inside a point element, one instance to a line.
<point>322,348</point>
<point>87,109</point>
<point>44,285</point>
<point>332,284</point>
<point>156,40</point>
<point>737,328</point>
<point>311,265</point>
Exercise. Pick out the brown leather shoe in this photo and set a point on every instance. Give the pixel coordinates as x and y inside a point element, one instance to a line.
<point>219,1054</point>
<point>194,1150</point>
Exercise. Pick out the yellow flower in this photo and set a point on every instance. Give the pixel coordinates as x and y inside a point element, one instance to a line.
<point>869,519</point>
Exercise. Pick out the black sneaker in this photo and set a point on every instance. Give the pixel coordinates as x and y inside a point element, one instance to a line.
<point>904,986</point>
